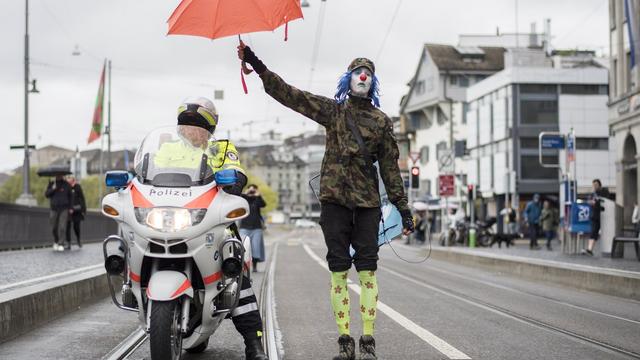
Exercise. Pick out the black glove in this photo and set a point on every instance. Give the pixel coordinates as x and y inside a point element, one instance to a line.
<point>251,59</point>
<point>407,220</point>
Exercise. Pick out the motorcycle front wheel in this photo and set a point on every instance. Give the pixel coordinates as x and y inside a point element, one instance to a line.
<point>165,337</point>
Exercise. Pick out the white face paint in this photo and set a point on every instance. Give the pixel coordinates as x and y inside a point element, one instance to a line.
<point>361,82</point>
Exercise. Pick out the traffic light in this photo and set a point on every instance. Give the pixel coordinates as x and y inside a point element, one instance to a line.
<point>415,177</point>
<point>470,192</point>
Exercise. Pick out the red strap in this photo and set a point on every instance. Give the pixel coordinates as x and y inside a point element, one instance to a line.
<point>286,31</point>
<point>244,83</point>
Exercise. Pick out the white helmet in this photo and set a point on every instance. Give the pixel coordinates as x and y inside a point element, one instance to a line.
<point>198,111</point>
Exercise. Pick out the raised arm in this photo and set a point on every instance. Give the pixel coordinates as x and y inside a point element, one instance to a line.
<point>317,108</point>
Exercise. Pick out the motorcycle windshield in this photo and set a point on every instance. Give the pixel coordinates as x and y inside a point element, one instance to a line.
<point>175,156</point>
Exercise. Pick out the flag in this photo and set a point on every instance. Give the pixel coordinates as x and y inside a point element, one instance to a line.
<point>96,124</point>
<point>632,27</point>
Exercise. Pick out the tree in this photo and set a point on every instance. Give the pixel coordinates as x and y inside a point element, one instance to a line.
<point>12,188</point>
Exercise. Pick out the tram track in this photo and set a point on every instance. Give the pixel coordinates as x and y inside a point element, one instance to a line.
<point>472,300</point>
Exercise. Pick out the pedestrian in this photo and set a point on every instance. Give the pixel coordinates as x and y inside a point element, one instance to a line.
<point>358,134</point>
<point>595,200</point>
<point>509,218</point>
<point>77,211</point>
<point>635,220</point>
<point>59,194</point>
<point>252,225</point>
<point>549,219</point>
<point>531,217</point>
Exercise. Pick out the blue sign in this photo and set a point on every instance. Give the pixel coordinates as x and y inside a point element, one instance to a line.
<point>552,142</point>
<point>580,218</point>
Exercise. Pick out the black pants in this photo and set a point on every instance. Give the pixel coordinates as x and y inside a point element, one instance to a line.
<point>533,234</point>
<point>356,227</point>
<point>246,317</point>
<point>74,221</point>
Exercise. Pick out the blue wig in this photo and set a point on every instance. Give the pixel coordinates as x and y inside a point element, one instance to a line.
<point>343,89</point>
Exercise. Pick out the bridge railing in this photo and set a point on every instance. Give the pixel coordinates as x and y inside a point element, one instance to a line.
<point>28,227</point>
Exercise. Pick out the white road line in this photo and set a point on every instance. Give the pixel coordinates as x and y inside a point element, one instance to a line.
<point>436,342</point>
<point>272,330</point>
<point>477,280</point>
<point>52,276</point>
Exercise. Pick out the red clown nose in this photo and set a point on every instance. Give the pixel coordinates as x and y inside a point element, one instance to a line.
<point>363,77</point>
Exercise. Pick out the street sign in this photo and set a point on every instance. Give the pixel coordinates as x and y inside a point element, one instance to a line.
<point>552,142</point>
<point>446,161</point>
<point>414,156</point>
<point>446,185</point>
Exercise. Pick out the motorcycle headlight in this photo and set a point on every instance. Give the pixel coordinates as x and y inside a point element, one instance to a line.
<point>169,219</point>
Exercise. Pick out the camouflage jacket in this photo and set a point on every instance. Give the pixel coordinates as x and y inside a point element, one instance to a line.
<point>345,178</point>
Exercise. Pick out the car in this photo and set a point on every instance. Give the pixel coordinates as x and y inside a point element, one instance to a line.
<point>305,224</point>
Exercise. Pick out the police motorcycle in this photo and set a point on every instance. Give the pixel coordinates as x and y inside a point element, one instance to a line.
<point>178,259</point>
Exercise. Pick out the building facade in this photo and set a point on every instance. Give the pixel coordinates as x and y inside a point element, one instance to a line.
<point>508,111</point>
<point>624,100</point>
<point>433,112</point>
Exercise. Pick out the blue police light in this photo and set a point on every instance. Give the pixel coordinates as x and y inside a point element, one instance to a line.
<point>116,178</point>
<point>226,177</point>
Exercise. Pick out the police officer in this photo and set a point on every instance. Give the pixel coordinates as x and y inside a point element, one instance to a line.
<point>197,120</point>
<point>350,202</point>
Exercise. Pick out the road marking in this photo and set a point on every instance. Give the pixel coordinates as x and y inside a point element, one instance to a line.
<point>467,278</point>
<point>128,346</point>
<point>433,340</point>
<point>52,276</point>
<point>272,334</point>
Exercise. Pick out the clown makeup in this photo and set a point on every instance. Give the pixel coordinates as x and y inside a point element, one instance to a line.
<point>360,84</point>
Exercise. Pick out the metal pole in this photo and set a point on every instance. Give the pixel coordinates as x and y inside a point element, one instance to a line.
<point>25,168</point>
<point>109,120</point>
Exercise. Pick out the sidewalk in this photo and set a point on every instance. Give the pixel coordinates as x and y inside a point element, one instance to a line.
<point>617,277</point>
<point>629,263</point>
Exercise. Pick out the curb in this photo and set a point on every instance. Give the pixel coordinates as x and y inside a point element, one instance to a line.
<point>607,281</point>
<point>26,308</point>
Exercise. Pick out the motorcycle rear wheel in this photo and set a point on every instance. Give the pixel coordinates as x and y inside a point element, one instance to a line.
<point>165,337</point>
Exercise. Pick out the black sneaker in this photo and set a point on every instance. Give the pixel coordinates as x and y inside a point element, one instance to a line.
<point>367,348</point>
<point>346,348</point>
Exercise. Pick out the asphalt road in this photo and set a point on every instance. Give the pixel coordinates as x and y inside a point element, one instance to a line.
<point>430,310</point>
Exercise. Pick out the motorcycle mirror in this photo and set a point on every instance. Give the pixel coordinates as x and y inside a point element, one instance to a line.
<point>116,178</point>
<point>226,177</point>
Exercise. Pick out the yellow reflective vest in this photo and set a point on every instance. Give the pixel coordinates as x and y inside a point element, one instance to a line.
<point>222,155</point>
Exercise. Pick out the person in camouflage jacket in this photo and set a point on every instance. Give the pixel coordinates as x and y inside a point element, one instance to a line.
<point>349,197</point>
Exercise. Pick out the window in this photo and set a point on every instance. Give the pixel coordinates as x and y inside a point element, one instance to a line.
<point>531,168</point>
<point>584,89</point>
<point>465,109</point>
<point>440,147</point>
<point>453,79</point>
<point>539,112</point>
<point>613,78</point>
<point>627,73</point>
<point>464,81</point>
<point>592,143</point>
<point>538,89</point>
<point>420,87</point>
<point>424,155</point>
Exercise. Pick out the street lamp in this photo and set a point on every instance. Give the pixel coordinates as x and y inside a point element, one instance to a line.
<point>26,198</point>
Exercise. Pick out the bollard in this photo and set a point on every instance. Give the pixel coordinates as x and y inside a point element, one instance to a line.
<point>472,237</point>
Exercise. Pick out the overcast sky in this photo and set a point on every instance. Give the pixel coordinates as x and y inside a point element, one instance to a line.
<point>153,72</point>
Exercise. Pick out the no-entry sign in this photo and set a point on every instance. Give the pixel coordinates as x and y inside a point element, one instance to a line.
<point>446,187</point>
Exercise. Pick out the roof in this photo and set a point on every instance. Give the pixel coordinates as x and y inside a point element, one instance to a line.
<point>447,57</point>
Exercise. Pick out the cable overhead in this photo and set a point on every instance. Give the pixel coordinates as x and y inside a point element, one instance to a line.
<point>316,42</point>
<point>386,35</point>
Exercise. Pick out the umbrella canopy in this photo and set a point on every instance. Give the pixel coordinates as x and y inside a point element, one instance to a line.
<point>215,19</point>
<point>54,170</point>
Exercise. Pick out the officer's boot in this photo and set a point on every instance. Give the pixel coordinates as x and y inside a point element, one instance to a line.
<point>253,349</point>
<point>346,348</point>
<point>367,348</point>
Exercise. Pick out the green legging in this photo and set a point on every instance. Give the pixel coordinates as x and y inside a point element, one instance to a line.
<point>341,303</point>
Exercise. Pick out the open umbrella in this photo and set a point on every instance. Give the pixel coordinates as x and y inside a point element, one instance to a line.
<point>54,170</point>
<point>215,19</point>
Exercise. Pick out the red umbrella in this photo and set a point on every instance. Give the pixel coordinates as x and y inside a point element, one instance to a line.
<point>215,19</point>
